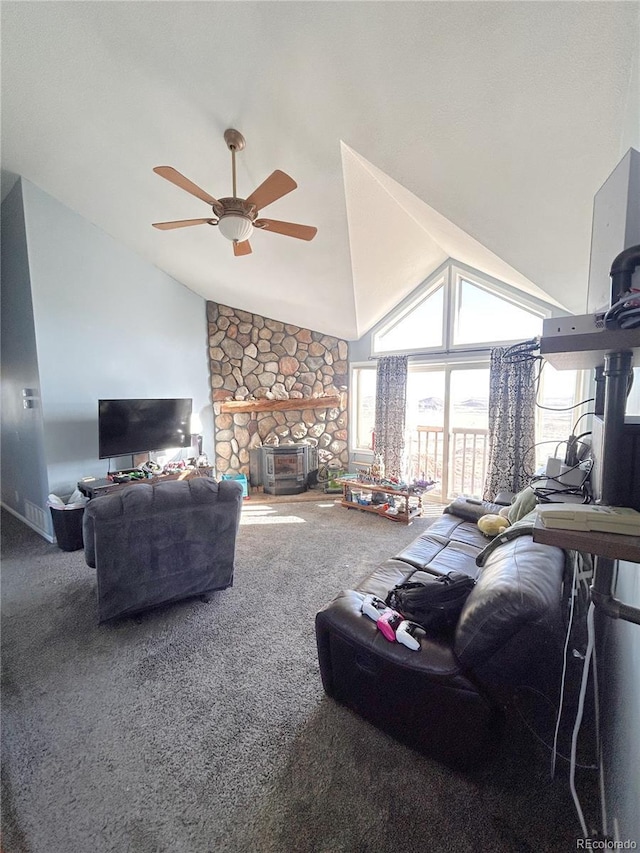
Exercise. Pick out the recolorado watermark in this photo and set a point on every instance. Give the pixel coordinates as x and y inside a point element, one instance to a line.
<point>605,844</point>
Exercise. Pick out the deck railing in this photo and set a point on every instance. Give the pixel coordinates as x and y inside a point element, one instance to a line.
<point>468,451</point>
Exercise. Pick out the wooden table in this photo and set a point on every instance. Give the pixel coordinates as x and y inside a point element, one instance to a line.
<point>412,499</point>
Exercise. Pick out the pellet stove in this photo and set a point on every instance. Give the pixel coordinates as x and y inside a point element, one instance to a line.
<point>283,469</point>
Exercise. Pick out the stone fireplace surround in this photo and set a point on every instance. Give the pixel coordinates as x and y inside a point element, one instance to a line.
<point>259,369</point>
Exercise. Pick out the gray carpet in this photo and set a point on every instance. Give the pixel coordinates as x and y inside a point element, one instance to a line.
<point>203,728</point>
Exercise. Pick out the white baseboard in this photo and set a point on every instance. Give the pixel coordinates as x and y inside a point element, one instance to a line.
<point>45,535</point>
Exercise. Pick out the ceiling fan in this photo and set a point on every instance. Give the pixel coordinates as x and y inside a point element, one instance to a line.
<point>236,217</point>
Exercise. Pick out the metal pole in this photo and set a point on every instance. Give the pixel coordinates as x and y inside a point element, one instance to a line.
<point>617,370</point>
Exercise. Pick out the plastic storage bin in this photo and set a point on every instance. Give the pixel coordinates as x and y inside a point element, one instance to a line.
<point>242,479</point>
<point>67,525</point>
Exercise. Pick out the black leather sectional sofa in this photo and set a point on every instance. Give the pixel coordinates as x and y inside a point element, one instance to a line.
<point>446,699</point>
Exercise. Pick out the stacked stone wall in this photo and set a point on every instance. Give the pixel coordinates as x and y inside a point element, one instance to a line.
<point>255,358</point>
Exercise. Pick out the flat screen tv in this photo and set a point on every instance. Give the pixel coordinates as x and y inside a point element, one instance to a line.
<point>140,426</point>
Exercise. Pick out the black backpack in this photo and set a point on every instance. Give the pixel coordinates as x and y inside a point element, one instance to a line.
<point>435,604</point>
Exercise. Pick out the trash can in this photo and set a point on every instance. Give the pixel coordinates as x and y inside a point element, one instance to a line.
<point>67,525</point>
<point>67,520</point>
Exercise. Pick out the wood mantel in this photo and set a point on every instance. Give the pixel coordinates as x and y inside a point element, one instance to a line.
<point>326,402</point>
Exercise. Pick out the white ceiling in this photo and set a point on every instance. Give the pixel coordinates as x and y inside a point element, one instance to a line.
<point>415,130</point>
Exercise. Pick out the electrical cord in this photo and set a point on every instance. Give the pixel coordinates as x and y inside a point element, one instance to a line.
<point>564,666</point>
<point>578,722</point>
<point>625,313</point>
<point>546,493</point>
<point>523,351</point>
<point>538,737</point>
<point>537,444</point>
<point>579,419</point>
<point>555,452</point>
<point>596,708</point>
<point>546,441</point>
<point>566,408</point>
<point>554,751</point>
<point>551,408</point>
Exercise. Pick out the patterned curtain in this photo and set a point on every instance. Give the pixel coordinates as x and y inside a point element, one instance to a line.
<point>391,396</point>
<point>512,394</point>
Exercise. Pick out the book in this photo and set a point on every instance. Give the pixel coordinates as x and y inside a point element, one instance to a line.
<point>590,518</point>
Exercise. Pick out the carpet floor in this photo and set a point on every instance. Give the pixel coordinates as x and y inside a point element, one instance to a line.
<point>203,728</point>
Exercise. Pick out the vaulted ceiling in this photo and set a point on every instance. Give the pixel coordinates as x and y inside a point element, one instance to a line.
<point>415,131</point>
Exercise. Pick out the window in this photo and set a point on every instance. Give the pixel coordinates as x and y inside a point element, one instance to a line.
<point>419,327</point>
<point>363,396</point>
<point>446,426</point>
<point>633,400</point>
<point>459,309</point>
<point>558,391</point>
<point>482,317</point>
<point>448,327</point>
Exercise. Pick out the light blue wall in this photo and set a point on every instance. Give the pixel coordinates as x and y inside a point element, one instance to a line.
<point>24,474</point>
<point>107,325</point>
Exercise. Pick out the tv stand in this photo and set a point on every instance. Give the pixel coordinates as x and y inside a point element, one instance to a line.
<point>96,487</point>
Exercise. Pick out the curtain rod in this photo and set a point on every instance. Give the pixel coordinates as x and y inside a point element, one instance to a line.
<point>460,353</point>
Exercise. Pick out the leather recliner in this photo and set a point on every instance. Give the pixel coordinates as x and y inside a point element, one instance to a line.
<point>152,544</point>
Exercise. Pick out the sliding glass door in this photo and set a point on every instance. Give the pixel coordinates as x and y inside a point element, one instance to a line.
<point>447,427</point>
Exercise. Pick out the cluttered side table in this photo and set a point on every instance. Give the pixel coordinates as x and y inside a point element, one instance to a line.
<point>396,501</point>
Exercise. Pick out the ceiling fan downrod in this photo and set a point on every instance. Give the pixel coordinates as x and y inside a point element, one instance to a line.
<point>235,142</point>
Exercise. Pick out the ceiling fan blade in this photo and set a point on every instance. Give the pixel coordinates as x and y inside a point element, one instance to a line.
<point>289,229</point>
<point>243,248</point>
<point>181,223</point>
<point>172,175</point>
<point>276,185</point>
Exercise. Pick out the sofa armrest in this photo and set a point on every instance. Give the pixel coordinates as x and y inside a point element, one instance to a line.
<point>343,618</point>
<point>89,539</point>
<point>471,509</point>
<point>520,585</point>
<point>230,491</point>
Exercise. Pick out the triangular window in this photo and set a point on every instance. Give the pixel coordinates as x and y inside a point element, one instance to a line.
<point>420,327</point>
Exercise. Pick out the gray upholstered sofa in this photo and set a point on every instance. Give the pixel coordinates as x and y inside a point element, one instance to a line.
<point>156,543</point>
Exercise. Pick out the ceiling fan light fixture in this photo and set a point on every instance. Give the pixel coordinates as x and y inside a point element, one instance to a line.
<point>235,227</point>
